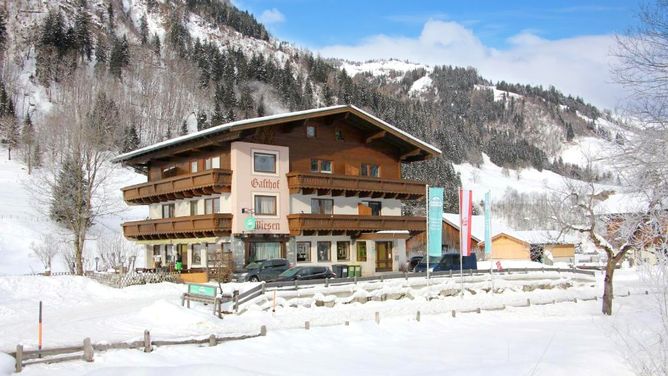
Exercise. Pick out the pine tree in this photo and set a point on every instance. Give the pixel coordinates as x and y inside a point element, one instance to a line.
<point>37,155</point>
<point>130,139</point>
<point>83,40</point>
<point>120,56</point>
<point>230,115</point>
<point>246,102</point>
<point>110,15</point>
<point>143,30</point>
<point>155,45</point>
<point>217,117</point>
<point>68,202</point>
<point>202,120</point>
<point>260,107</point>
<point>3,31</point>
<point>28,140</point>
<point>184,128</point>
<point>101,51</point>
<point>569,132</point>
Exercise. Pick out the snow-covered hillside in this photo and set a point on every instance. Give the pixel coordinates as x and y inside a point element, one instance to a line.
<point>24,216</point>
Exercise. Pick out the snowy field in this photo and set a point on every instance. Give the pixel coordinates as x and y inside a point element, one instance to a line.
<point>552,339</point>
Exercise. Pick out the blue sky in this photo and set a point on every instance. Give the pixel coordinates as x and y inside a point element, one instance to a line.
<point>567,44</point>
<point>324,22</point>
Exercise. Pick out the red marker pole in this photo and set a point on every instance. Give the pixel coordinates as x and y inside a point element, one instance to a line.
<point>39,330</point>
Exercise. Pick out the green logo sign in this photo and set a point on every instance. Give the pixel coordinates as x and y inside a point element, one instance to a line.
<point>205,290</point>
<point>249,224</point>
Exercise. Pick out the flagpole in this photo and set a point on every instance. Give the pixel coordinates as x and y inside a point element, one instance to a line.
<point>427,232</point>
<point>461,243</point>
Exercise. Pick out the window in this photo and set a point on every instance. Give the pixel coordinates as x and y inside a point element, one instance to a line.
<point>211,205</point>
<point>168,211</point>
<point>361,251</point>
<point>375,206</point>
<point>343,250</point>
<point>324,251</point>
<point>193,166</point>
<point>197,254</point>
<point>157,256</point>
<point>264,251</point>
<point>265,205</point>
<point>193,207</point>
<point>370,170</point>
<point>210,163</point>
<point>264,162</point>
<point>168,172</point>
<point>321,165</point>
<point>338,134</point>
<point>169,253</point>
<point>322,206</point>
<point>310,131</point>
<point>303,251</point>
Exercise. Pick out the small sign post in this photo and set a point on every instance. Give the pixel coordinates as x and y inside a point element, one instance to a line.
<point>203,290</point>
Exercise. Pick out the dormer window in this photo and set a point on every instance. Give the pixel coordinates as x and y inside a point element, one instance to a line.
<point>338,134</point>
<point>321,165</point>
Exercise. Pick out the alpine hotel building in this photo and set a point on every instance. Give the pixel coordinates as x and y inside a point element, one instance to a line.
<point>324,186</point>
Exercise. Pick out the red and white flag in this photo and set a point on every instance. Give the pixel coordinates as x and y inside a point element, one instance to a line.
<point>465,212</point>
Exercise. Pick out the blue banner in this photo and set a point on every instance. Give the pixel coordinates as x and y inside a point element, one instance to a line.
<point>435,221</point>
<point>488,224</point>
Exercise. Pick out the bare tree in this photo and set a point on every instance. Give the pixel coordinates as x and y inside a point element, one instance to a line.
<point>115,251</point>
<point>45,250</point>
<point>575,209</point>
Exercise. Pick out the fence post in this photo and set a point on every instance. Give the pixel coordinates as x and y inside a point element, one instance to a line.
<point>326,282</point>
<point>19,358</point>
<point>417,316</point>
<point>235,299</point>
<point>378,318</point>
<point>212,340</point>
<point>355,279</point>
<point>347,323</point>
<point>307,325</point>
<point>477,310</point>
<point>528,302</point>
<point>147,341</point>
<point>454,313</point>
<point>87,350</point>
<point>406,276</point>
<point>471,272</point>
<point>263,330</point>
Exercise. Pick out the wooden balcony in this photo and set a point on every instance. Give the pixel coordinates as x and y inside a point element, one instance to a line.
<point>180,186</point>
<point>321,224</point>
<point>207,225</point>
<point>361,186</point>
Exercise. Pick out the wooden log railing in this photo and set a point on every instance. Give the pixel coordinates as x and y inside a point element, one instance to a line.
<point>299,223</point>
<point>356,185</point>
<point>216,224</point>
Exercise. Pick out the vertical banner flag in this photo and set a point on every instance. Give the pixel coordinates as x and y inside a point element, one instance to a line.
<point>465,211</point>
<point>435,221</point>
<point>488,223</point>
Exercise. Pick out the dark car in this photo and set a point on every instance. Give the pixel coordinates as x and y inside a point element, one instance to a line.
<point>448,261</point>
<point>306,272</point>
<point>266,270</point>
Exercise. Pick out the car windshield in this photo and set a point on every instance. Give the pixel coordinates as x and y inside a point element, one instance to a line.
<point>255,264</point>
<point>432,260</point>
<point>290,272</point>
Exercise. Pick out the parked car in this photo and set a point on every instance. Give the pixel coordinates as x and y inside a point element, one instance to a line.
<point>266,270</point>
<point>409,265</point>
<point>306,272</point>
<point>448,261</point>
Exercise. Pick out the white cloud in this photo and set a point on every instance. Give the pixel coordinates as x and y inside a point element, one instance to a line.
<point>272,16</point>
<point>579,66</point>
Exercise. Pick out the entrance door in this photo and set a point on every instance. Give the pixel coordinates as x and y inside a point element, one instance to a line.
<point>383,256</point>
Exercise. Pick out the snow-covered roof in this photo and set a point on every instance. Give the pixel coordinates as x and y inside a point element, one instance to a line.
<point>259,121</point>
<point>498,228</point>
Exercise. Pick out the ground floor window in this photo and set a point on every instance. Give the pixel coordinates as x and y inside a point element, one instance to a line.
<point>157,256</point>
<point>343,251</point>
<point>324,250</point>
<point>361,251</point>
<point>303,251</point>
<point>264,250</point>
<point>197,254</point>
<point>169,253</point>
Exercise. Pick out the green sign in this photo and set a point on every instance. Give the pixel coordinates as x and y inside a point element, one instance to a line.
<point>249,223</point>
<point>206,290</point>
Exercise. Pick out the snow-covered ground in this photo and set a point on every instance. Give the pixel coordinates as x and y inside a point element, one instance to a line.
<point>24,214</point>
<point>552,339</point>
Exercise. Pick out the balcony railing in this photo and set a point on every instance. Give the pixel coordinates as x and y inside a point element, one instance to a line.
<point>207,225</point>
<point>301,224</point>
<point>181,186</point>
<point>362,186</point>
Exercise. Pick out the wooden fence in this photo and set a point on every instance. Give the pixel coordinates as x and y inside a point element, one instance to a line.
<point>87,350</point>
<point>134,278</point>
